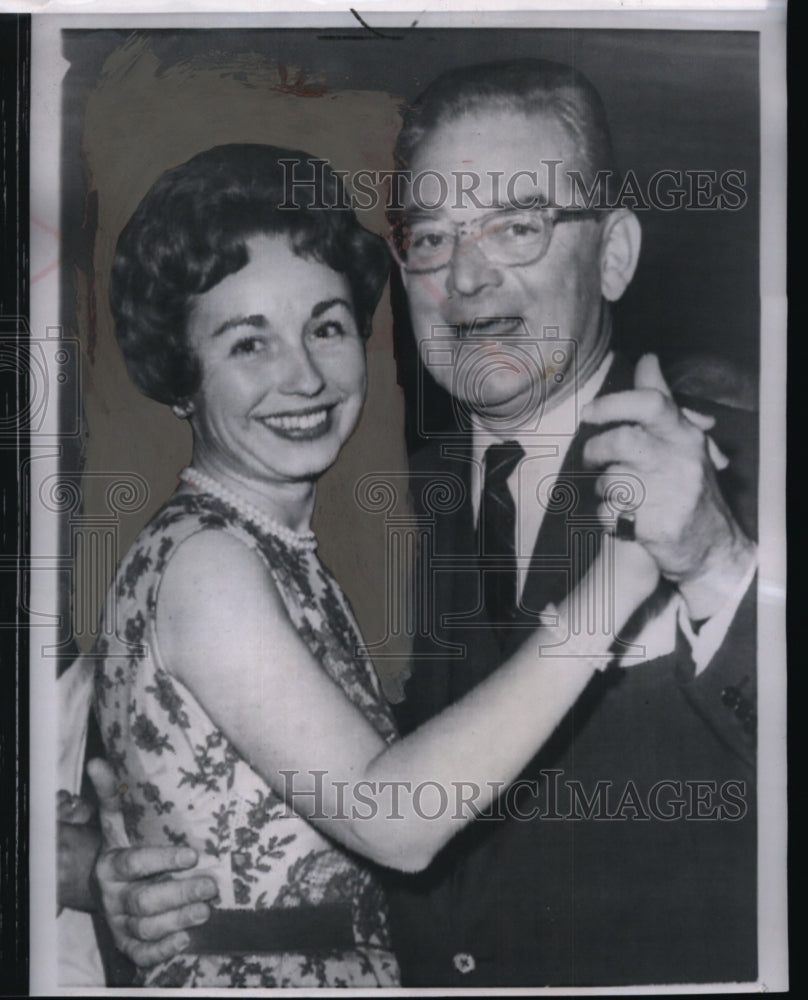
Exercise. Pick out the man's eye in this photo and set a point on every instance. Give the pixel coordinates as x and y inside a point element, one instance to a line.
<point>246,346</point>
<point>520,230</point>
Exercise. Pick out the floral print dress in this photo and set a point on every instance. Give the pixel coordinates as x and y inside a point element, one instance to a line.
<point>186,784</point>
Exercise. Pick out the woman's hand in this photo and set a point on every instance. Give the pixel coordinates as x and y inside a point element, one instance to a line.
<point>146,909</point>
<point>621,577</point>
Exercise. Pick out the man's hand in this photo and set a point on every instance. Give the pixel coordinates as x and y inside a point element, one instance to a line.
<point>78,845</point>
<point>146,909</point>
<point>684,521</point>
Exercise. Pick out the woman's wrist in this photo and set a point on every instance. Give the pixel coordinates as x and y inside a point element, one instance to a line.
<point>567,634</point>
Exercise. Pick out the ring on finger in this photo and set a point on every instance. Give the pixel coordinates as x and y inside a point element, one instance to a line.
<point>625,528</point>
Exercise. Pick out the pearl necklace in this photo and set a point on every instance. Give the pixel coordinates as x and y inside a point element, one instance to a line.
<point>303,540</point>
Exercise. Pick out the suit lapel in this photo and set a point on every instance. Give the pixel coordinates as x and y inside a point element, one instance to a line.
<point>552,572</point>
<point>454,648</point>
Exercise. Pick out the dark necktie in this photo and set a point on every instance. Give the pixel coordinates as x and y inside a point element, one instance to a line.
<point>685,664</point>
<point>498,535</point>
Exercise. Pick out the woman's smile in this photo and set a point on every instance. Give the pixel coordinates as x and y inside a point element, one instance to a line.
<point>300,425</point>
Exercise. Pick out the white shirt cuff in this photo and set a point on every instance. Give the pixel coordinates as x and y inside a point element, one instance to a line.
<point>706,643</point>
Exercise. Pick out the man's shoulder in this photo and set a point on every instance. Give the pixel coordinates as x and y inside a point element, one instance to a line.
<point>439,473</point>
<point>426,455</point>
<point>451,447</point>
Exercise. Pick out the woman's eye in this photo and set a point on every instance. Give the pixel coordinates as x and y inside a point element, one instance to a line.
<point>246,346</point>
<point>428,241</point>
<point>326,331</point>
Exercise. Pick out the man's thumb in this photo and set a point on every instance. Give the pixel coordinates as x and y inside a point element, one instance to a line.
<point>110,804</point>
<point>648,375</point>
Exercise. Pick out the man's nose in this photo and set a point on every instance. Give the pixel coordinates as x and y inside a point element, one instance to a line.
<point>299,373</point>
<point>470,271</point>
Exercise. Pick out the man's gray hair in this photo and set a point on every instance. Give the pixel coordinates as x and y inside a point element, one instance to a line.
<point>522,85</point>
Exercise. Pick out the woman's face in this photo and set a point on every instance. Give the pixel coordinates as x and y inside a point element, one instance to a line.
<point>283,366</point>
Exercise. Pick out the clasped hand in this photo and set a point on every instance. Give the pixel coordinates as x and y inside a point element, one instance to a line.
<point>683,520</point>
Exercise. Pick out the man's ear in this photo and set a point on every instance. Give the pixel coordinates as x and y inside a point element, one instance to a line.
<point>619,252</point>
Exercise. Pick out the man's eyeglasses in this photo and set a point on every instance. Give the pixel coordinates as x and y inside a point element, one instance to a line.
<point>510,238</point>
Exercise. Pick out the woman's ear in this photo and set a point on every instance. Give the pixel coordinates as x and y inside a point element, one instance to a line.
<point>619,252</point>
<point>183,409</point>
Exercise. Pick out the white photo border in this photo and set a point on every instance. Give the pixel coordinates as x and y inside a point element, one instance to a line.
<point>47,70</point>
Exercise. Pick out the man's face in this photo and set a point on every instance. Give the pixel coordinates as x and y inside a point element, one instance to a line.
<point>480,321</point>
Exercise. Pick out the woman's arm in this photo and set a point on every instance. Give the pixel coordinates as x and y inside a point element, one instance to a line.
<point>225,634</point>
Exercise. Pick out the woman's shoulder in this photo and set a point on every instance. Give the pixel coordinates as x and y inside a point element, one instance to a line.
<point>217,598</point>
<point>187,522</point>
<point>218,570</point>
<point>224,552</point>
<point>196,535</point>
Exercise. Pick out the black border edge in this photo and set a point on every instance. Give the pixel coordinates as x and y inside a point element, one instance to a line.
<point>15,103</point>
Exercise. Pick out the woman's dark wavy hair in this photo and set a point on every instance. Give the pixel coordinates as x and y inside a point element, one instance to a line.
<point>190,232</point>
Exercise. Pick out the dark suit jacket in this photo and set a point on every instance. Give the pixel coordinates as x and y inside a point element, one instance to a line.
<point>639,862</point>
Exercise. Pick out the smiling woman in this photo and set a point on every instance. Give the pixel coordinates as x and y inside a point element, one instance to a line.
<point>283,375</point>
<point>237,712</point>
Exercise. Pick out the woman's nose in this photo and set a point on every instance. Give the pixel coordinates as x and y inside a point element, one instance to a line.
<point>300,374</point>
<point>470,271</point>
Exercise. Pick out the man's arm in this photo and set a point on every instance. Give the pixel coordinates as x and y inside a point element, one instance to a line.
<point>79,841</point>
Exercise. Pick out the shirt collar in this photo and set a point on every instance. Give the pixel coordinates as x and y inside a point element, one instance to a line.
<point>553,422</point>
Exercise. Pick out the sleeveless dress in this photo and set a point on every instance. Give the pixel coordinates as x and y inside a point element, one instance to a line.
<point>185,784</point>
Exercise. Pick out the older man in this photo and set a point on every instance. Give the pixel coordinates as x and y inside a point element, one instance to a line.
<point>627,853</point>
<point>623,860</point>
